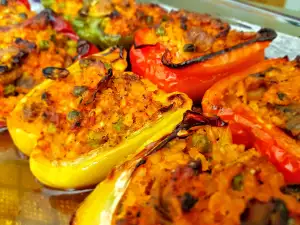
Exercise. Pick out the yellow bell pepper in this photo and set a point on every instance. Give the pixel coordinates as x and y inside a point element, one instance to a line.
<point>25,135</point>
<point>100,206</point>
<point>74,141</point>
<point>196,175</point>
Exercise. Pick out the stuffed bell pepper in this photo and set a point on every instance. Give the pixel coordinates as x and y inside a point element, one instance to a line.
<point>114,22</point>
<point>68,9</point>
<point>189,52</point>
<point>28,46</point>
<point>87,118</point>
<point>194,176</point>
<point>14,12</point>
<point>262,106</point>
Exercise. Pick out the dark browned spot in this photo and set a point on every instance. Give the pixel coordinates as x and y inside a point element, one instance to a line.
<point>55,73</point>
<point>273,212</point>
<point>102,84</point>
<point>32,111</point>
<point>188,202</point>
<point>83,47</point>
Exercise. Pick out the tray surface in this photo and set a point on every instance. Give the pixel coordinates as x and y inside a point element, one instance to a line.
<point>24,201</point>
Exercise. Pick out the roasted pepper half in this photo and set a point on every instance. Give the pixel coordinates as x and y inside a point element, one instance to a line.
<point>37,42</point>
<point>189,52</point>
<point>262,107</point>
<point>85,119</point>
<point>14,12</point>
<point>194,176</point>
<point>67,8</point>
<point>114,22</point>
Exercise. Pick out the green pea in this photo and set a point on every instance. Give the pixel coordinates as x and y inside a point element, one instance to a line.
<point>201,142</point>
<point>237,182</point>
<point>149,20</point>
<point>160,31</point>
<point>9,89</point>
<point>79,90</point>
<point>44,44</point>
<point>118,125</point>
<point>73,115</point>
<point>94,139</point>
<point>107,66</point>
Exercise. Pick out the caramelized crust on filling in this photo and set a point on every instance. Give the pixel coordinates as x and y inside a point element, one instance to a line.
<point>13,12</point>
<point>205,179</point>
<point>93,107</point>
<point>67,8</point>
<point>122,18</point>
<point>189,35</point>
<point>25,50</point>
<point>273,95</point>
<point>128,21</point>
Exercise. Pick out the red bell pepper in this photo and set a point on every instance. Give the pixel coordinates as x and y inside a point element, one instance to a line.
<point>26,3</point>
<point>149,58</point>
<point>251,128</point>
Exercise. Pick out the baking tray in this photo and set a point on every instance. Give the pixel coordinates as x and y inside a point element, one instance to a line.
<point>23,201</point>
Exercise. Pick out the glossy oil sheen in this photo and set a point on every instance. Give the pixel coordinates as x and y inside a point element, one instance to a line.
<point>23,201</point>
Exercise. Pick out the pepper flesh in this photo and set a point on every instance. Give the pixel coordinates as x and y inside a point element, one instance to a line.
<point>88,132</point>
<point>194,51</point>
<point>174,183</point>
<point>261,118</point>
<point>36,42</point>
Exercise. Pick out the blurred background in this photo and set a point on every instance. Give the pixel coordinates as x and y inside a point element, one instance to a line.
<point>289,4</point>
<point>281,15</point>
<point>290,7</point>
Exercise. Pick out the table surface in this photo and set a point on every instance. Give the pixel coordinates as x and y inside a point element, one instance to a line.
<point>23,200</point>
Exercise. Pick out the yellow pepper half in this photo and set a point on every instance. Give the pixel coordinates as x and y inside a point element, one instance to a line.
<point>196,175</point>
<point>65,150</point>
<point>25,135</point>
<point>100,206</point>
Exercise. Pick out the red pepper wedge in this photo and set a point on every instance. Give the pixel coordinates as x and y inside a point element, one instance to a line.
<point>252,128</point>
<point>202,61</point>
